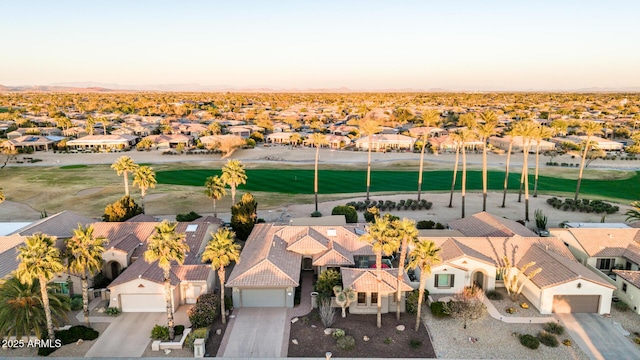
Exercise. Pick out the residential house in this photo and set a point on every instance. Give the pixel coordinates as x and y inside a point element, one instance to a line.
<point>384,142</point>
<point>279,137</point>
<point>188,128</point>
<point>33,142</point>
<point>446,144</point>
<point>364,282</point>
<point>104,142</point>
<point>486,224</point>
<point>139,286</point>
<point>418,132</point>
<point>241,131</point>
<point>170,141</point>
<point>598,142</point>
<point>213,141</point>
<point>518,144</point>
<point>333,141</point>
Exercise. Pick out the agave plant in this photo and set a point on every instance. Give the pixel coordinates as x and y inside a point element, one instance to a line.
<point>344,297</point>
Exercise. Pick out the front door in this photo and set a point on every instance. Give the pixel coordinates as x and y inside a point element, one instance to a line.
<point>307,264</point>
<point>478,280</point>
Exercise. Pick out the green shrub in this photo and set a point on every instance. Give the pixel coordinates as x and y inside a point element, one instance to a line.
<point>438,309</point>
<point>349,213</point>
<point>346,343</point>
<point>425,224</point>
<point>201,333</point>
<point>76,302</point>
<point>316,214</point>
<point>388,341</point>
<point>160,332</point>
<point>228,303</point>
<point>338,333</point>
<point>621,306</point>
<point>415,344</point>
<point>553,328</point>
<point>494,295</point>
<point>112,311</point>
<point>548,339</point>
<point>178,330</point>
<point>529,341</point>
<point>70,336</point>
<point>412,301</point>
<point>325,283</point>
<point>188,217</point>
<point>205,311</point>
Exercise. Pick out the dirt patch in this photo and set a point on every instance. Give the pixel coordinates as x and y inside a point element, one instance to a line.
<point>214,341</point>
<point>386,342</point>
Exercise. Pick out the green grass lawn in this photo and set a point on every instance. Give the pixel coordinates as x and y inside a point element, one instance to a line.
<point>344,181</point>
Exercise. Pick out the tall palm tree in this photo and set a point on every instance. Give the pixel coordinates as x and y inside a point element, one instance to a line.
<point>317,139</point>
<point>21,310</point>
<point>543,132</point>
<point>294,140</point>
<point>485,131</point>
<point>456,141</point>
<point>233,174</point>
<point>466,136</point>
<point>84,257</point>
<point>429,119</point>
<point>368,127</point>
<point>590,128</point>
<point>384,240</point>
<point>123,166</point>
<point>633,214</point>
<point>408,234</point>
<point>221,251</point>
<point>144,178</point>
<point>90,125</point>
<point>423,256</point>
<point>214,188</point>
<point>166,246</point>
<point>39,259</point>
<point>513,132</point>
<point>529,129</point>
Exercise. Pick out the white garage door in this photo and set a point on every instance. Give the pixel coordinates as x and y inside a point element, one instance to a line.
<point>263,298</point>
<point>563,304</point>
<point>143,303</point>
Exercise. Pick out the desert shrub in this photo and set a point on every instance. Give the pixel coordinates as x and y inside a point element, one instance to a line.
<point>112,311</point>
<point>325,283</point>
<point>583,205</point>
<point>200,333</point>
<point>438,309</point>
<point>529,341</point>
<point>511,310</point>
<point>425,224</point>
<point>327,313</point>
<point>411,301</point>
<point>553,328</point>
<point>566,342</point>
<point>621,306</point>
<point>548,339</point>
<point>121,210</point>
<point>346,343</point>
<point>338,333</point>
<point>316,214</point>
<point>188,217</point>
<point>178,330</point>
<point>205,311</point>
<point>160,332</point>
<point>76,302</point>
<point>349,212</point>
<point>494,295</point>
<point>415,344</point>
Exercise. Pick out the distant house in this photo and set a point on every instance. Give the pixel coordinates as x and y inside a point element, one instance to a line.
<point>213,141</point>
<point>384,142</point>
<point>104,142</point>
<point>279,137</point>
<point>444,143</point>
<point>170,141</point>
<point>418,132</point>
<point>598,142</point>
<point>333,141</point>
<point>192,129</point>
<point>241,131</point>
<point>34,142</point>
<point>518,144</point>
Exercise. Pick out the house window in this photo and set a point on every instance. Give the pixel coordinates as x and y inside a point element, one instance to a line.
<point>362,298</point>
<point>374,298</point>
<point>605,264</point>
<point>444,280</point>
<point>60,288</point>
<point>624,287</point>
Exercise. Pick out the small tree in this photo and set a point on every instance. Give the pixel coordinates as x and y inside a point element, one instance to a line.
<point>344,297</point>
<point>467,305</point>
<point>243,216</point>
<point>123,209</point>
<point>541,219</point>
<point>512,282</point>
<point>349,213</point>
<point>327,280</point>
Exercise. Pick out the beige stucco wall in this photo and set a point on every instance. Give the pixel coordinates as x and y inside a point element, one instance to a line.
<point>133,287</point>
<point>462,277</point>
<point>388,305</point>
<point>631,297</point>
<point>543,299</point>
<point>77,282</point>
<point>118,256</point>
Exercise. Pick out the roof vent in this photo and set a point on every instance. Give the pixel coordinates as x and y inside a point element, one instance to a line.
<point>332,232</point>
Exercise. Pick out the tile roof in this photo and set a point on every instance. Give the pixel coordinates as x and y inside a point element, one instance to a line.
<point>632,252</point>
<point>142,218</point>
<point>365,280</point>
<point>192,272</point>
<point>631,276</point>
<point>140,269</point>
<point>485,224</point>
<point>122,235</point>
<point>8,253</point>
<point>60,225</point>
<point>605,242</point>
<point>336,256</point>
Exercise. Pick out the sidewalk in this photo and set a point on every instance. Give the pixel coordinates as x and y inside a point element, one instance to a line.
<point>301,309</point>
<point>95,303</point>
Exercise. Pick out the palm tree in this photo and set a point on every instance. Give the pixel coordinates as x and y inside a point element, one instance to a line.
<point>90,125</point>
<point>233,174</point>
<point>165,246</point>
<point>21,310</point>
<point>513,132</point>
<point>294,140</point>
<point>543,132</point>
<point>123,165</point>
<point>485,131</point>
<point>408,234</point>
<point>429,118</point>
<point>144,177</point>
<point>318,140</point>
<point>221,251</point>
<point>466,136</point>
<point>423,256</point>
<point>456,141</point>
<point>84,257</point>
<point>589,128</point>
<point>39,259</point>
<point>215,190</point>
<point>368,127</point>
<point>383,239</point>
<point>528,129</point>
<point>633,214</point>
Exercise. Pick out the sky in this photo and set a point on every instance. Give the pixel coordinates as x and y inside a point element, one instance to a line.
<point>361,45</point>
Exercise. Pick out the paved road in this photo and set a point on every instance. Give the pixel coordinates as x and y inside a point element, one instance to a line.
<point>127,336</point>
<point>598,337</point>
<point>257,333</point>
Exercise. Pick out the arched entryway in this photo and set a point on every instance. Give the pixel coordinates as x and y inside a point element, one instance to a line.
<point>113,269</point>
<point>479,279</point>
<point>307,263</point>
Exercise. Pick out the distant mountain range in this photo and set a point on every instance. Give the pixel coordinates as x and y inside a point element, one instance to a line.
<point>190,87</point>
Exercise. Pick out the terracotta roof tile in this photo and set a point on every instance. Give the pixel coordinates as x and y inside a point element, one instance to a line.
<point>8,253</point>
<point>60,225</point>
<point>192,272</point>
<point>485,224</point>
<point>631,276</point>
<point>605,242</point>
<point>365,280</point>
<point>337,255</point>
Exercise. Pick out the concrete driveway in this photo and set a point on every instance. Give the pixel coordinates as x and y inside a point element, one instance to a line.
<point>127,336</point>
<point>598,337</point>
<point>256,333</point>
